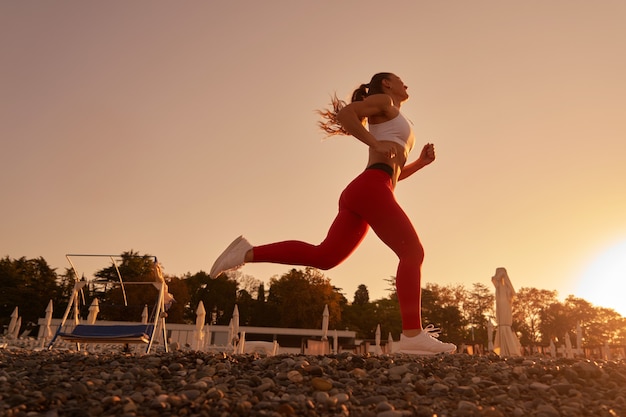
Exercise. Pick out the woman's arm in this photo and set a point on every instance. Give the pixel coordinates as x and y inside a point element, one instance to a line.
<point>351,117</point>
<point>426,157</point>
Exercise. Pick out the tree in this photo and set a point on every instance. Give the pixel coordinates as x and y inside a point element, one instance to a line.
<point>387,314</point>
<point>178,312</point>
<point>245,304</point>
<point>555,321</point>
<point>581,311</point>
<point>28,284</point>
<point>528,304</point>
<point>218,296</point>
<point>445,315</point>
<point>260,316</point>
<point>361,318</point>
<point>246,282</point>
<point>607,327</point>
<point>478,308</point>
<point>361,295</point>
<point>393,291</point>
<point>65,286</point>
<point>297,299</point>
<point>124,303</point>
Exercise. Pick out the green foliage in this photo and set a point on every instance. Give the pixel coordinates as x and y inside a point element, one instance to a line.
<point>218,296</point>
<point>440,307</point>
<point>125,303</point>
<point>362,319</point>
<point>361,295</point>
<point>178,311</point>
<point>528,304</point>
<point>297,299</point>
<point>28,284</point>
<point>245,304</point>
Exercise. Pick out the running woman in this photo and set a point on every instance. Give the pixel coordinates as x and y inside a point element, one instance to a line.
<point>368,201</point>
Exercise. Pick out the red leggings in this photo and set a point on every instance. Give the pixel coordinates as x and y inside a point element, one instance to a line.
<point>367,200</point>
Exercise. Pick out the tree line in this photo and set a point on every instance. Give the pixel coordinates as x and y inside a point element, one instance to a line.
<point>296,299</point>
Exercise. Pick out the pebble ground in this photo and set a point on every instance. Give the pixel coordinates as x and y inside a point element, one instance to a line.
<point>188,383</point>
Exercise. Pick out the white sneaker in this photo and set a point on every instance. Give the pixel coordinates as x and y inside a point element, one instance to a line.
<point>425,343</point>
<point>232,258</point>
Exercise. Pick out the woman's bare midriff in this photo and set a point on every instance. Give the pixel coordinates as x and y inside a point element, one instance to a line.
<point>396,162</point>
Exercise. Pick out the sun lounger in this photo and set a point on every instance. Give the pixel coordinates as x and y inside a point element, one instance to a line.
<point>97,333</point>
<point>133,332</point>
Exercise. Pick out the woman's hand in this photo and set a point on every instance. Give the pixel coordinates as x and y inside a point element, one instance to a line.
<point>426,157</point>
<point>387,148</point>
<point>428,154</point>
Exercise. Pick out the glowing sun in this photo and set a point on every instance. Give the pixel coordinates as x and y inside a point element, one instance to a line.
<point>604,282</point>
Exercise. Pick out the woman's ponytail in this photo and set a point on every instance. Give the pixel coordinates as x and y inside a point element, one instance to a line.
<point>329,122</point>
<point>360,93</point>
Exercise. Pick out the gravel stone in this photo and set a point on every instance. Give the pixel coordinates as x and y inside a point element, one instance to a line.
<point>42,383</point>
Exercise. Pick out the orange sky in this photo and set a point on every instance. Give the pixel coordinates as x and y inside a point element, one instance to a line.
<point>172,127</point>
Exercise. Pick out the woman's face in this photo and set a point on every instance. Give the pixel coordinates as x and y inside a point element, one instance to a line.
<point>397,87</point>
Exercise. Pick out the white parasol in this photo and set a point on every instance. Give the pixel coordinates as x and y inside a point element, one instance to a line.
<point>94,309</point>
<point>13,323</point>
<point>569,353</point>
<point>489,335</point>
<point>235,335</point>
<point>76,310</point>
<point>47,331</point>
<point>199,333</point>
<point>325,316</point>
<point>506,343</point>
<point>16,331</point>
<point>377,335</point>
<point>579,340</point>
<point>144,314</point>
<point>230,333</point>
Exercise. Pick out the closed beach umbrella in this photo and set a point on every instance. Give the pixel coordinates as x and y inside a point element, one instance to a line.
<point>16,330</point>
<point>144,314</point>
<point>325,317</point>
<point>48,331</point>
<point>236,323</point>
<point>552,349</point>
<point>76,310</point>
<point>200,317</point>
<point>506,343</point>
<point>378,350</point>
<point>13,323</point>
<point>94,309</point>
<point>579,339</point>
<point>569,353</point>
<point>489,335</point>
<point>230,332</point>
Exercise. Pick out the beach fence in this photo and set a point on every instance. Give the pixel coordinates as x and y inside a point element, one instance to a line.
<point>220,338</point>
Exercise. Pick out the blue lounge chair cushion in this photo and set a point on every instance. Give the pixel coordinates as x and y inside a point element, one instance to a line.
<point>110,333</point>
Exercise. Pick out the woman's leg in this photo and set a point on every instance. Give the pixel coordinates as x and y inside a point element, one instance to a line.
<point>397,232</point>
<point>345,234</point>
<point>375,203</point>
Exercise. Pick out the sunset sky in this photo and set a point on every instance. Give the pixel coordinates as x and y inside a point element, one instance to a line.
<point>170,128</point>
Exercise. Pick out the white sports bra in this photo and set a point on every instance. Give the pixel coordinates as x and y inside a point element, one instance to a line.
<point>396,130</point>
